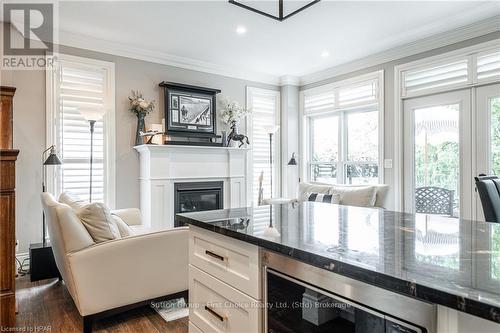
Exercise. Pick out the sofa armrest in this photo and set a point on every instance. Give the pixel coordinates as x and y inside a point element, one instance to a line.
<point>130,270</point>
<point>272,201</point>
<point>131,216</point>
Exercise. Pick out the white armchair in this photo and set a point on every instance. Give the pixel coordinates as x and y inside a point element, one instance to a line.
<point>115,274</point>
<point>132,216</point>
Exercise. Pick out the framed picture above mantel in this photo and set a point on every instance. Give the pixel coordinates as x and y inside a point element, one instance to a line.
<point>190,111</point>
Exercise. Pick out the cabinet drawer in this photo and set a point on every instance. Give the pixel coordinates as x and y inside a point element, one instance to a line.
<point>193,328</point>
<point>218,307</point>
<point>233,262</point>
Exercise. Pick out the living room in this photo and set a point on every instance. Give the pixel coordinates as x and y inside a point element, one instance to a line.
<point>175,166</point>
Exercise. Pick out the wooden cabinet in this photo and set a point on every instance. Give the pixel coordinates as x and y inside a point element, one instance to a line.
<point>224,284</point>
<point>6,116</point>
<point>8,158</point>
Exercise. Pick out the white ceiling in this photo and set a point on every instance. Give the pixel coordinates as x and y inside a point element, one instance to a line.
<point>203,33</point>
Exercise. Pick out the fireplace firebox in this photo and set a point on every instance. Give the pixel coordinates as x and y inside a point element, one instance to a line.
<point>197,196</point>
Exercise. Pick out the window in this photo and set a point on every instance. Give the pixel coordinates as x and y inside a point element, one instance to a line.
<point>77,84</point>
<point>265,114</point>
<point>488,66</point>
<point>361,165</point>
<point>324,148</point>
<point>446,73</point>
<point>494,135</point>
<point>343,122</point>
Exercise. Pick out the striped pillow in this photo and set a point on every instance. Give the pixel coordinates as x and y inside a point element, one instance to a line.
<point>326,198</point>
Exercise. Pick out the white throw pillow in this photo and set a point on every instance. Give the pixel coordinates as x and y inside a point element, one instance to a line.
<point>305,188</point>
<point>123,227</point>
<point>326,198</point>
<point>97,219</point>
<point>356,196</point>
<point>72,200</point>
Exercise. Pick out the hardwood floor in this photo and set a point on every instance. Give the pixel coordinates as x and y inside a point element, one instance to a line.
<point>46,306</point>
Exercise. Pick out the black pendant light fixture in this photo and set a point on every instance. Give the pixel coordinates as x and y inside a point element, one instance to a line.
<point>281,15</point>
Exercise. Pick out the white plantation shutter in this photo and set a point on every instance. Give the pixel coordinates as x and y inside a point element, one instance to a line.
<point>261,219</point>
<point>342,95</point>
<point>488,66</point>
<point>82,86</point>
<point>444,75</point>
<point>265,111</point>
<point>458,72</point>
<point>361,94</point>
<point>319,102</point>
<point>264,105</point>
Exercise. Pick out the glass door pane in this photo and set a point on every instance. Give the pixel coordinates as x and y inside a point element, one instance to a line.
<point>437,154</point>
<point>494,157</point>
<point>436,159</point>
<point>487,136</point>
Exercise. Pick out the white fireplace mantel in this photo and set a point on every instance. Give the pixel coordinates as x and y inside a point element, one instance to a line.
<point>161,166</point>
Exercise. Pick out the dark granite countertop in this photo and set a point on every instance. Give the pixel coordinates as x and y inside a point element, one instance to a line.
<point>442,260</point>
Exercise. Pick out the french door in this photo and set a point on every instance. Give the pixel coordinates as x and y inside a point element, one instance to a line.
<point>448,139</point>
<point>438,154</point>
<point>487,136</point>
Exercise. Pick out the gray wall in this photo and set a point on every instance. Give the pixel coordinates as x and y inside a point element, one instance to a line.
<point>29,122</point>
<point>389,125</point>
<point>29,127</point>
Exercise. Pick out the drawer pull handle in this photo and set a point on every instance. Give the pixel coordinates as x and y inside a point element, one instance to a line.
<point>214,255</point>
<point>215,314</point>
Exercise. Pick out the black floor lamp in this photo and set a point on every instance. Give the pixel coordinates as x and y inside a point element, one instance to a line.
<point>271,130</point>
<point>52,159</point>
<point>41,259</point>
<point>91,115</point>
<point>271,231</point>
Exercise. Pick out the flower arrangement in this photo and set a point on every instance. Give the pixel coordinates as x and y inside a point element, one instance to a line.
<point>232,112</point>
<point>139,105</point>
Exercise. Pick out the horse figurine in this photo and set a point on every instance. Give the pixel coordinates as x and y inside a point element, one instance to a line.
<point>237,137</point>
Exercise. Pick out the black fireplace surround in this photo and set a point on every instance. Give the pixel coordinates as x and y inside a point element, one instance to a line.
<point>197,196</point>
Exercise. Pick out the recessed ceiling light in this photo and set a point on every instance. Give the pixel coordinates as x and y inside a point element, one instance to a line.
<point>325,54</point>
<point>241,30</point>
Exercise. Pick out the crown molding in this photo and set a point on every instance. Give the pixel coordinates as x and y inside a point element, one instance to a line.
<point>289,80</point>
<point>422,45</point>
<point>123,50</point>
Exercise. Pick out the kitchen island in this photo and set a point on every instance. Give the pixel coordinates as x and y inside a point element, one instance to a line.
<point>447,269</point>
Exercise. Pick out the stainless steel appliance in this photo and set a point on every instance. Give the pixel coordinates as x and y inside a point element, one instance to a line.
<point>303,298</point>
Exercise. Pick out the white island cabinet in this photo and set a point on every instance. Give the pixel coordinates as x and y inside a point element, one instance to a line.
<point>225,292</point>
<point>228,281</point>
